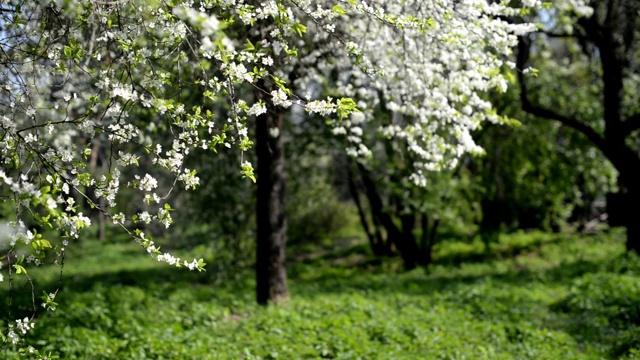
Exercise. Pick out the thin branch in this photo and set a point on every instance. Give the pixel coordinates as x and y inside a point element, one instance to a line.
<point>551,34</point>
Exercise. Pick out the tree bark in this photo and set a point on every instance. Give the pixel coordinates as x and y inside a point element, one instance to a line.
<point>271,275</point>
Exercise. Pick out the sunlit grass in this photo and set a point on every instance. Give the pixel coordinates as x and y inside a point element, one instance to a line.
<point>534,296</point>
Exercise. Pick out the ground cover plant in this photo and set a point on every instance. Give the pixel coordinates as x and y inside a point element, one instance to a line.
<point>533,296</point>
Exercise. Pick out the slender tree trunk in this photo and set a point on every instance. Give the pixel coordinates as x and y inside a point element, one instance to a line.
<point>375,238</point>
<point>394,234</point>
<point>271,275</point>
<point>410,251</point>
<point>378,217</point>
<point>427,240</point>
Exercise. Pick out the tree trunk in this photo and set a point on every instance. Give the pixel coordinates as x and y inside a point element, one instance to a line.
<point>394,234</point>
<point>271,275</point>
<point>375,237</point>
<point>427,240</point>
<point>633,237</point>
<point>409,250</point>
<point>631,221</point>
<point>613,38</point>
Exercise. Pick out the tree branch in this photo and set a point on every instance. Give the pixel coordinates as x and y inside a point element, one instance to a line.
<point>524,44</point>
<point>551,34</point>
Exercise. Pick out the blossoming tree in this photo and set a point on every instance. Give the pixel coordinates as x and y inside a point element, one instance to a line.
<point>79,72</point>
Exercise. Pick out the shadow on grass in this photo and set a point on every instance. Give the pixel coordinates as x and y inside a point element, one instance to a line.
<point>163,281</point>
<point>159,282</point>
<point>420,284</point>
<point>364,272</point>
<point>484,255</point>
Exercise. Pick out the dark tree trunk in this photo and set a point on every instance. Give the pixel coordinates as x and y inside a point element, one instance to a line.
<point>375,237</point>
<point>271,275</point>
<point>633,236</point>
<point>394,234</point>
<point>379,218</point>
<point>613,36</point>
<point>629,213</point>
<point>427,240</point>
<point>623,212</point>
<point>410,253</point>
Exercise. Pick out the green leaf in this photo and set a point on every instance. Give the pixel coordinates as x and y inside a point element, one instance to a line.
<point>299,29</point>
<point>248,45</point>
<point>345,107</point>
<point>510,77</point>
<point>291,52</point>
<point>20,269</point>
<point>201,265</point>
<point>247,172</point>
<point>40,244</point>
<point>338,10</point>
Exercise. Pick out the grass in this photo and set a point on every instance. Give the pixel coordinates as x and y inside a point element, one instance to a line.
<point>534,296</point>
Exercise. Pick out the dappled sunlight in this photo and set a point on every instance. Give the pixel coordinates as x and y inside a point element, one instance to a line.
<point>514,303</point>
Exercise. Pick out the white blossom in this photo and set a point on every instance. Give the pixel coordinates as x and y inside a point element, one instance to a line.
<point>147,183</point>
<point>279,98</point>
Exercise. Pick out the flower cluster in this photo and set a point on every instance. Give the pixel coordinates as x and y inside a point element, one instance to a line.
<point>22,326</point>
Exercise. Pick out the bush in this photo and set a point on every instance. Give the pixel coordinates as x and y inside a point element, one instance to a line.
<point>319,216</point>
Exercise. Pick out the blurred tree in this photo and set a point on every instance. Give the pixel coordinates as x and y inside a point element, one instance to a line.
<point>536,175</point>
<point>219,214</point>
<point>397,215</point>
<point>589,82</point>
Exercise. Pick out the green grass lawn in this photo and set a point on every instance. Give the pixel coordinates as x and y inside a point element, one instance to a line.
<point>534,296</point>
